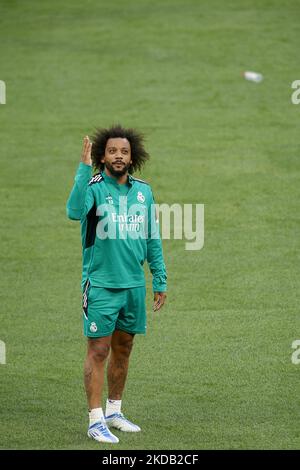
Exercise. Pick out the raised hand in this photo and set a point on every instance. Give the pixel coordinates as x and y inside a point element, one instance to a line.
<point>86,151</point>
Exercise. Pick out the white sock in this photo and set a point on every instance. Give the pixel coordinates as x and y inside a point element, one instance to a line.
<point>113,406</point>
<point>96,415</point>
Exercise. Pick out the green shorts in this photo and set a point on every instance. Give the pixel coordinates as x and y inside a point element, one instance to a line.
<point>106,310</point>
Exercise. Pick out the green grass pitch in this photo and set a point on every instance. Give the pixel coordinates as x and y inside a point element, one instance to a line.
<point>215,369</point>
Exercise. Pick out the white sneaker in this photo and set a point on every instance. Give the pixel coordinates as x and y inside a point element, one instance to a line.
<point>118,421</point>
<point>100,432</point>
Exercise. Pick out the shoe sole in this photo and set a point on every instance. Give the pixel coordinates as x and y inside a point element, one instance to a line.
<point>98,440</point>
<point>123,430</point>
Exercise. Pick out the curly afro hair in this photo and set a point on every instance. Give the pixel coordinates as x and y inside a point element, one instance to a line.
<point>136,139</point>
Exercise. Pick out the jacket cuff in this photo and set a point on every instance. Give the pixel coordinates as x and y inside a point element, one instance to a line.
<point>159,285</point>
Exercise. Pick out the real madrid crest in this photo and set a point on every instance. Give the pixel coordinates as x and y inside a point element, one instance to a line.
<point>140,197</point>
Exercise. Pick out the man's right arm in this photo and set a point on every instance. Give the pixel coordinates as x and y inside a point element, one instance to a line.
<point>81,198</point>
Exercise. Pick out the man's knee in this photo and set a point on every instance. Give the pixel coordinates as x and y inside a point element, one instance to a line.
<point>98,350</point>
<point>123,345</point>
<point>125,348</point>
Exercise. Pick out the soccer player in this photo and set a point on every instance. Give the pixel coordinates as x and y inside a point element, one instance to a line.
<point>119,232</point>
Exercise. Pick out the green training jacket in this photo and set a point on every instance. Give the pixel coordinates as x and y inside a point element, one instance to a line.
<point>119,230</point>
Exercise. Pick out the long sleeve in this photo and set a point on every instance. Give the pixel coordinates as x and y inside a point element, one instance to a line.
<point>81,198</point>
<point>155,257</point>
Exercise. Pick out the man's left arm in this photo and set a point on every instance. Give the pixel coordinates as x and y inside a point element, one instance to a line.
<point>155,258</point>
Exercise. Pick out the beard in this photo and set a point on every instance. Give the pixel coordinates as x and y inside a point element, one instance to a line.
<point>117,172</point>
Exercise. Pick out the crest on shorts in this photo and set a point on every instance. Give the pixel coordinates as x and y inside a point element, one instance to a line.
<point>93,327</point>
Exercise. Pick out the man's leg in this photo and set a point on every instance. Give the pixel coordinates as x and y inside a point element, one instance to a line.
<point>121,346</point>
<point>97,353</point>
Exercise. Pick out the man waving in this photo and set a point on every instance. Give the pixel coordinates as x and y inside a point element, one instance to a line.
<point>119,232</point>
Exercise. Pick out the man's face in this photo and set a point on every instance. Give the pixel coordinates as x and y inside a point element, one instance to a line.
<point>117,157</point>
